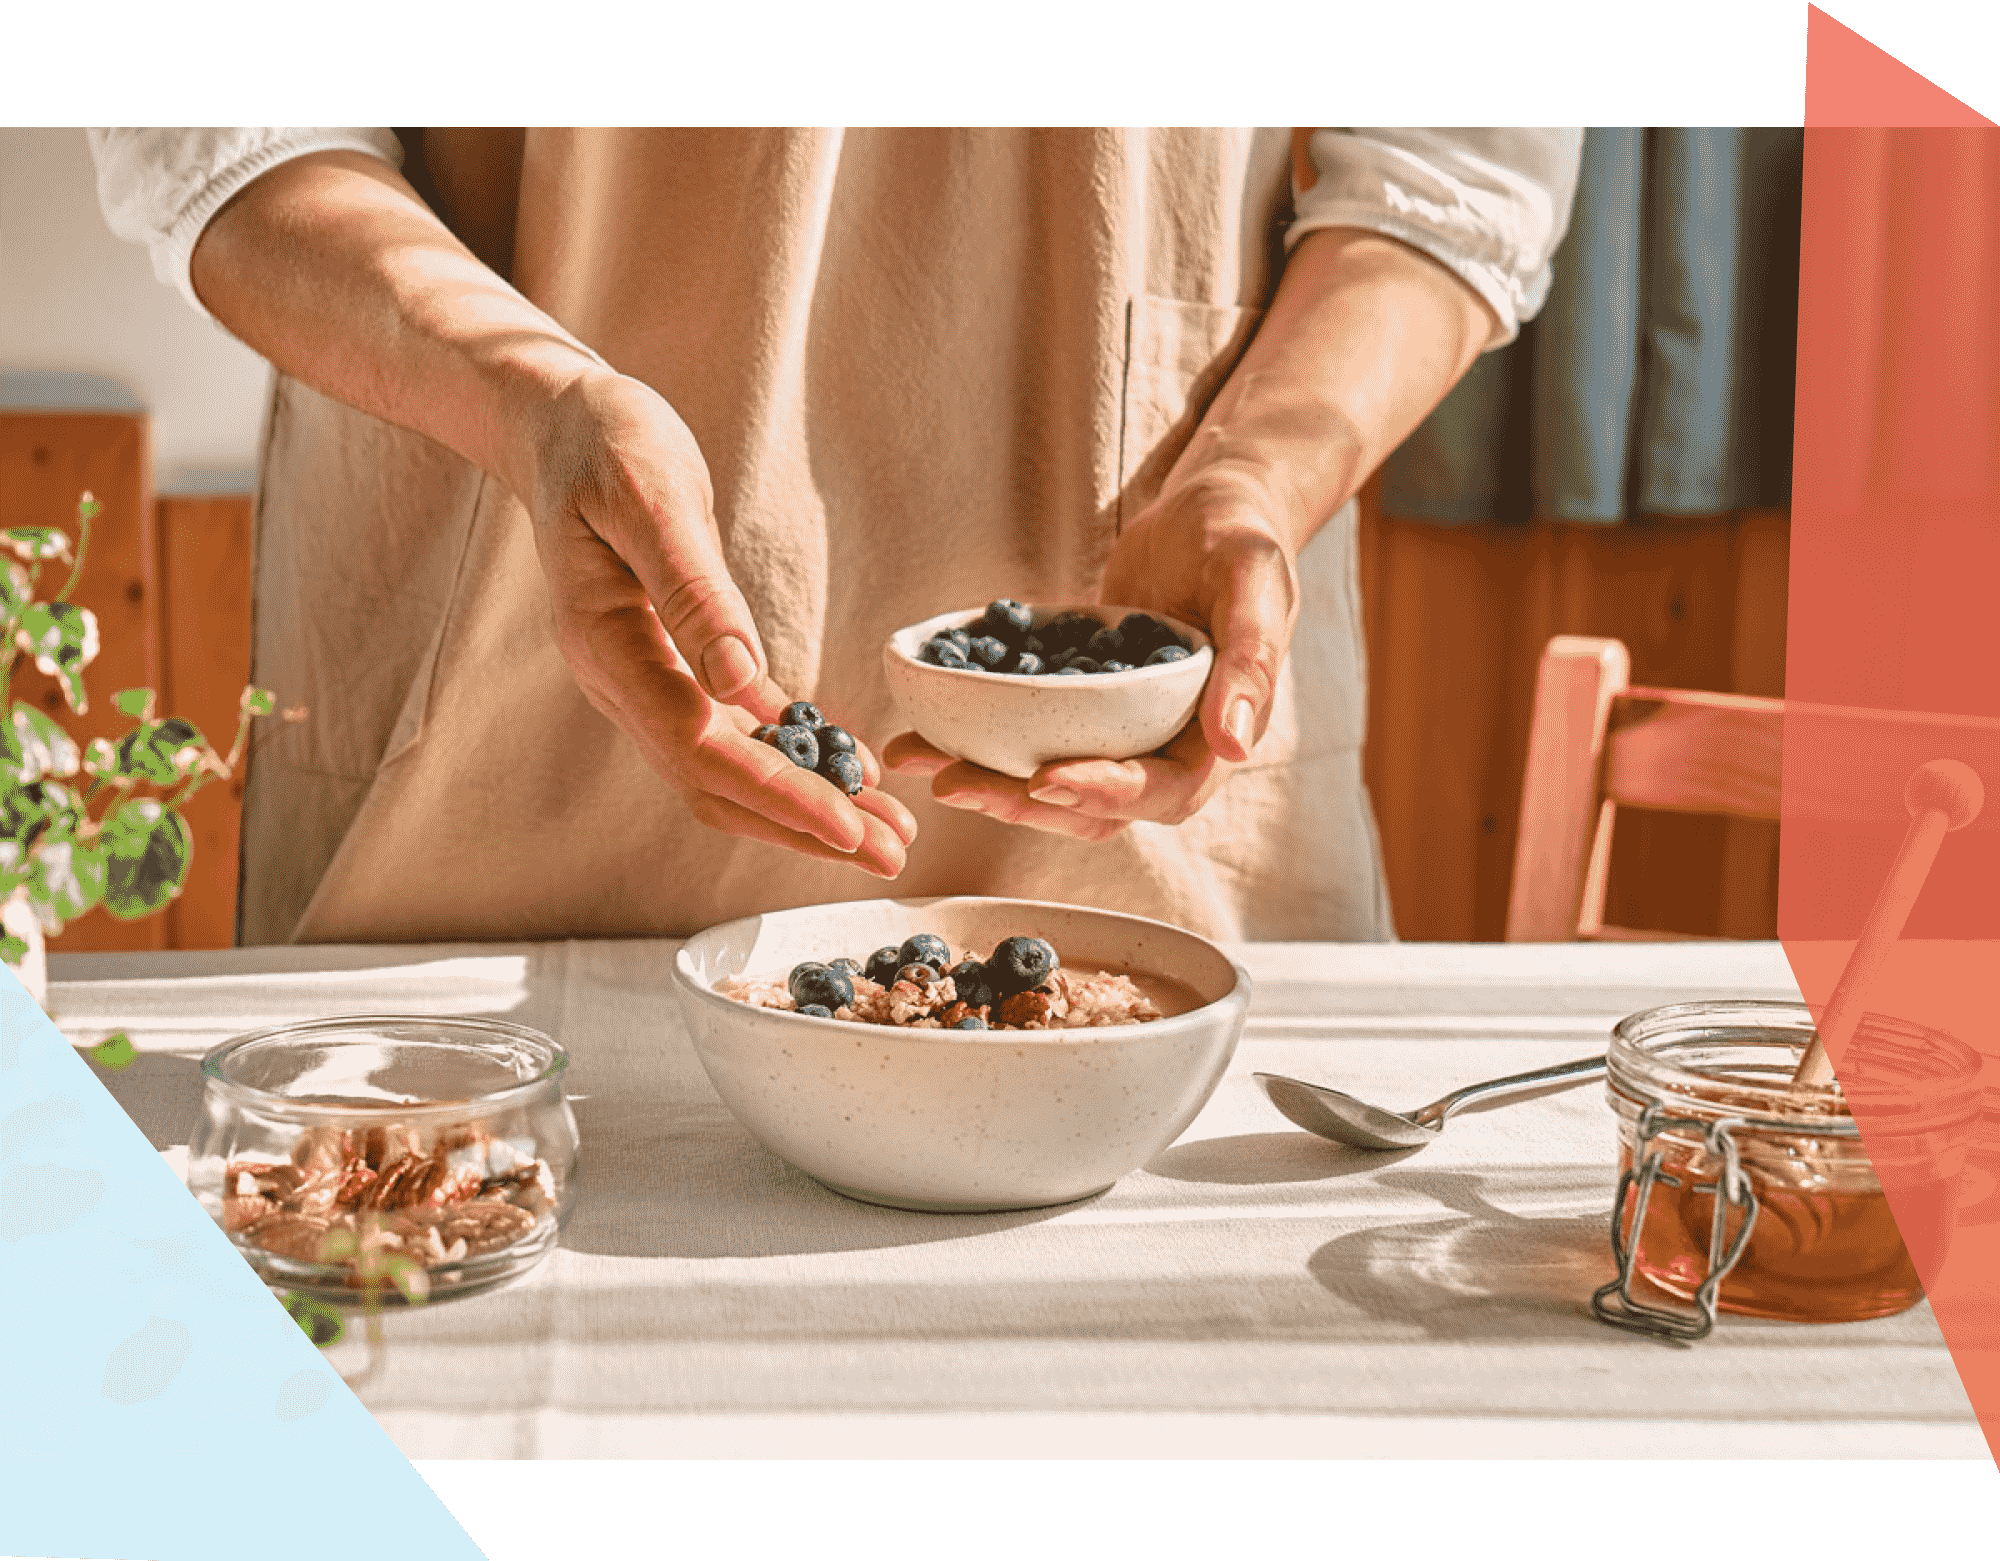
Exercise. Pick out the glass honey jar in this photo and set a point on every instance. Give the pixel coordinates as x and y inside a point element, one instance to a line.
<point>1740,1192</point>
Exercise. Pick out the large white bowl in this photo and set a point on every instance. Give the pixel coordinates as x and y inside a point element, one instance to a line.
<point>1015,724</point>
<point>959,1120</point>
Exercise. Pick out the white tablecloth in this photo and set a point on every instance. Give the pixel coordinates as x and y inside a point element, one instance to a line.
<point>1254,1292</point>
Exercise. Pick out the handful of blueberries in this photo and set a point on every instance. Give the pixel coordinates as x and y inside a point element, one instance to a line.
<point>803,736</point>
<point>1073,644</point>
<point>1015,965</point>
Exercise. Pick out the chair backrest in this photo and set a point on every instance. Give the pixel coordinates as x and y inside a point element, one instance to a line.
<point>1596,742</point>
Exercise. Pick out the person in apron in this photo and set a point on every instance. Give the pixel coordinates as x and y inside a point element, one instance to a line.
<point>590,449</point>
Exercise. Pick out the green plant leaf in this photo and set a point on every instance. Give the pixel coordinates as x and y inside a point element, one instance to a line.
<point>258,701</point>
<point>65,879</point>
<point>148,851</point>
<point>62,637</point>
<point>135,702</point>
<point>155,751</point>
<point>43,808</point>
<point>320,1322</point>
<point>36,746</point>
<point>114,1052</point>
<point>12,950</point>
<point>16,591</point>
<point>32,544</point>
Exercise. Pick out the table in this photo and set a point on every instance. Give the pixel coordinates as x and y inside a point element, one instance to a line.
<point>1253,1292</point>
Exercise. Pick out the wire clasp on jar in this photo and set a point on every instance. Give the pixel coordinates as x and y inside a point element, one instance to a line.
<point>1614,1303</point>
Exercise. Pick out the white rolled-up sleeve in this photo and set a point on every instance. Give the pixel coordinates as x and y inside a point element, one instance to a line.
<point>1489,205</point>
<point>159,188</point>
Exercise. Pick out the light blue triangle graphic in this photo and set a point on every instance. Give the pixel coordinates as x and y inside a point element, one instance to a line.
<point>155,1399</point>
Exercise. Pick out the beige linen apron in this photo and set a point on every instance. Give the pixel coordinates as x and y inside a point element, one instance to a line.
<point>926,368</point>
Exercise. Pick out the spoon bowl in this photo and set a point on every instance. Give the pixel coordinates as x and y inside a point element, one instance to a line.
<point>1334,1114</point>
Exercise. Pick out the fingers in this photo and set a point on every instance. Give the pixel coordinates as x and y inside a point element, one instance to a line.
<point>909,754</point>
<point>891,812</point>
<point>1252,629</point>
<point>880,854</point>
<point>1168,787</point>
<point>625,667</point>
<point>967,786</point>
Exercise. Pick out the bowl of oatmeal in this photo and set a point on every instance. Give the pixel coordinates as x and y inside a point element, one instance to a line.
<point>1078,1066</point>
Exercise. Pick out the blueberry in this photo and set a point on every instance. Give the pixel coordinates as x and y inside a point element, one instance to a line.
<point>1033,646</point>
<point>1141,627</point>
<point>1145,634</point>
<point>962,638</point>
<point>850,968</point>
<point>1082,664</point>
<point>967,972</point>
<point>970,1022</point>
<point>990,653</point>
<point>814,1010</point>
<point>1019,964</point>
<point>941,652</point>
<point>1105,644</point>
<point>844,770</point>
<point>765,733</point>
<point>1070,672</point>
<point>925,948</point>
<point>1167,653</point>
<point>834,739</point>
<point>1116,666</point>
<point>798,744</point>
<point>813,982</point>
<point>882,965</point>
<point>802,713</point>
<point>1027,666</point>
<point>1011,615</point>
<point>1070,628</point>
<point>918,974</point>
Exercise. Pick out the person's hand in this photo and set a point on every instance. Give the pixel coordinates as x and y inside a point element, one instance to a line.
<point>658,636</point>
<point>1211,553</point>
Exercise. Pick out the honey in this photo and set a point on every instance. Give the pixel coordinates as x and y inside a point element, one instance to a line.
<point>1812,1256</point>
<point>1707,1112</point>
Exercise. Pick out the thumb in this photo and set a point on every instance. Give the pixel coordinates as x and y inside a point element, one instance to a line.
<point>1252,632</point>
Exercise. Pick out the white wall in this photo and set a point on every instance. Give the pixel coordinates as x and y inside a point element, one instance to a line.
<point>75,301</point>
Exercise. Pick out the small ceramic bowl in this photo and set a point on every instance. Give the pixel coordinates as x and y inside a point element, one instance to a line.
<point>960,1120</point>
<point>1015,724</point>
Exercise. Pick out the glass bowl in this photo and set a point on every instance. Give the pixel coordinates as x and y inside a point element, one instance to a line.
<point>386,1159</point>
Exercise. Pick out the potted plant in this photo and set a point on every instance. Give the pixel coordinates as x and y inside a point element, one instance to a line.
<point>93,824</point>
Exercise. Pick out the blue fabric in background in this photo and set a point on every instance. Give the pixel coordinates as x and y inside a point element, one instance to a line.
<point>1658,378</point>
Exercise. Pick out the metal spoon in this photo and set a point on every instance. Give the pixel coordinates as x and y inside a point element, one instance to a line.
<point>1345,1120</point>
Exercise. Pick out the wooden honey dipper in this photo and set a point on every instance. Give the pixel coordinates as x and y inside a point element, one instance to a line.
<point>1942,795</point>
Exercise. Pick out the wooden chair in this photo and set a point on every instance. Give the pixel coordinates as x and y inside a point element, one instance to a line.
<point>1596,743</point>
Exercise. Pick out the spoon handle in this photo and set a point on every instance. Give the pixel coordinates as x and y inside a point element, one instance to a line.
<point>1435,1113</point>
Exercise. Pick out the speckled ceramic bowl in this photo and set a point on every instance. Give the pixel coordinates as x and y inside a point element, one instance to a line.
<point>1017,724</point>
<point>960,1120</point>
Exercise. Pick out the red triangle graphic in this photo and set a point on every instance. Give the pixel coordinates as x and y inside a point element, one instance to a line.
<point>1849,81</point>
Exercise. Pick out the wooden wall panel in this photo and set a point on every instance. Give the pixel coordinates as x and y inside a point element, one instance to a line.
<point>205,574</point>
<point>47,461</point>
<point>1457,618</point>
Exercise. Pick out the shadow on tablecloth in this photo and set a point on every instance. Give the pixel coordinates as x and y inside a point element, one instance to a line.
<point>1489,1274</point>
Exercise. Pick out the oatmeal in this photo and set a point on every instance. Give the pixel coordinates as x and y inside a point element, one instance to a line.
<point>1021,985</point>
